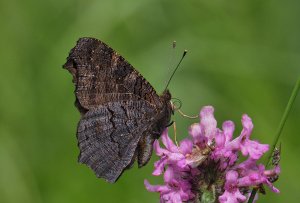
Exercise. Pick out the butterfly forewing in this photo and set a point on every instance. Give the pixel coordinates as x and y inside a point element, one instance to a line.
<point>102,75</point>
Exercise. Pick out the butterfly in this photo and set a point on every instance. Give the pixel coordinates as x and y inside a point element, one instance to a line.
<point>121,113</point>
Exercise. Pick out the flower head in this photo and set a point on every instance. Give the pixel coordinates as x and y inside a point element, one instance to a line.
<point>206,167</point>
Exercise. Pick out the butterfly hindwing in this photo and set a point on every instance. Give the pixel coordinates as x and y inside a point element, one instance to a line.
<point>108,136</point>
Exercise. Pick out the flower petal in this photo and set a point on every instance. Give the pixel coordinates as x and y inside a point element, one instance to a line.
<point>220,139</point>
<point>231,179</point>
<point>254,149</point>
<point>228,129</point>
<point>232,197</point>
<point>155,188</point>
<point>208,122</point>
<point>186,146</point>
<point>159,166</point>
<point>198,136</point>
<point>169,175</point>
<point>247,126</point>
<point>168,142</point>
<point>159,151</point>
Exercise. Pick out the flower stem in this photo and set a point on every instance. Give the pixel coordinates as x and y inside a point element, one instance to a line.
<point>284,118</point>
<point>253,193</point>
<point>279,130</point>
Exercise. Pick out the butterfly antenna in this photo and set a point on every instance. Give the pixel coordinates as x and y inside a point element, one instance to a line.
<point>171,58</point>
<point>183,55</point>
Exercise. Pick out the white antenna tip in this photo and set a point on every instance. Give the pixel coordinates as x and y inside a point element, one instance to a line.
<point>184,53</point>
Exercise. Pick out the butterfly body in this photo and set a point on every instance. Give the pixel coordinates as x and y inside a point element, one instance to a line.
<point>121,113</point>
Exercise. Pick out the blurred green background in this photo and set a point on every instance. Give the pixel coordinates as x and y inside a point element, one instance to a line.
<point>244,57</point>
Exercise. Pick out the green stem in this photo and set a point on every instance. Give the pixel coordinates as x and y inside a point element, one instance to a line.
<point>253,193</point>
<point>284,118</point>
<point>279,130</point>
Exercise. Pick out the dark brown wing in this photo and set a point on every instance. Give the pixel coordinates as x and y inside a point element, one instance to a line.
<point>101,75</point>
<point>120,109</point>
<point>108,136</point>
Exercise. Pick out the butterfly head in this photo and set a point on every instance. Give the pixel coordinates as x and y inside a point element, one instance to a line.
<point>166,99</point>
<point>166,95</point>
<point>165,111</point>
<point>167,108</point>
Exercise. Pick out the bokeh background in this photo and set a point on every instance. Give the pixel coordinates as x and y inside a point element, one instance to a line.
<point>244,57</point>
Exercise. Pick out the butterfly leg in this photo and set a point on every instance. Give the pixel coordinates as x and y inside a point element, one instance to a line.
<point>145,148</point>
<point>171,123</point>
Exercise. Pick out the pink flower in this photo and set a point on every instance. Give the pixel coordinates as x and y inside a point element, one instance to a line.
<point>226,150</point>
<point>177,187</point>
<point>203,133</point>
<point>247,146</point>
<point>207,166</point>
<point>172,155</point>
<point>232,193</point>
<point>253,174</point>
